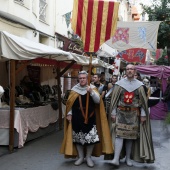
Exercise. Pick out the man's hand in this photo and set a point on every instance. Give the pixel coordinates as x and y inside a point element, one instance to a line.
<point>113,118</point>
<point>69,118</point>
<point>89,89</point>
<point>142,119</point>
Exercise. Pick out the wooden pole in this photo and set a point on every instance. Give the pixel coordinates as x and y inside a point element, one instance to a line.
<point>59,98</point>
<point>66,68</point>
<point>22,67</point>
<point>87,98</point>
<point>59,74</point>
<point>12,105</point>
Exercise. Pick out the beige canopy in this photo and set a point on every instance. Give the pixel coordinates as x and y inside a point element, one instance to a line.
<point>18,48</point>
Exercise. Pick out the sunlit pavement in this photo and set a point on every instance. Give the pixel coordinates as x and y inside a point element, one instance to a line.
<point>43,154</point>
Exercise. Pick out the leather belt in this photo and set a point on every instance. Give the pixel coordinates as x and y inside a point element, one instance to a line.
<point>127,108</point>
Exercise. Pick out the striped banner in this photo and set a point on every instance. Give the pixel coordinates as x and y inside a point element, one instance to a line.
<point>94,21</point>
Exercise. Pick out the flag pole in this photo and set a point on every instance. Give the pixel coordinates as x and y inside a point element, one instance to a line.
<point>87,98</point>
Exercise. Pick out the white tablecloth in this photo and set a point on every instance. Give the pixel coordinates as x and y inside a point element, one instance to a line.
<point>30,119</point>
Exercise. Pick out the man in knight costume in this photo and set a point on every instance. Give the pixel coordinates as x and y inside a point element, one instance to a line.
<point>84,139</point>
<point>129,113</point>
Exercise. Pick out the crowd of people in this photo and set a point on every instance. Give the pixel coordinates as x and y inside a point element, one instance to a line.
<point>122,131</point>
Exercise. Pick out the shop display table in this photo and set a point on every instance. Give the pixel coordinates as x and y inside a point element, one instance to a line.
<point>27,120</point>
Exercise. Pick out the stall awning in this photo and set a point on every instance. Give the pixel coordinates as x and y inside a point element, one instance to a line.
<point>18,48</point>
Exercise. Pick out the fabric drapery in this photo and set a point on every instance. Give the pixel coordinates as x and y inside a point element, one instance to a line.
<point>158,111</point>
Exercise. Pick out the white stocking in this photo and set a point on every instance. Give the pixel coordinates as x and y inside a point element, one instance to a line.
<point>88,155</point>
<point>117,150</point>
<point>128,152</point>
<point>81,155</point>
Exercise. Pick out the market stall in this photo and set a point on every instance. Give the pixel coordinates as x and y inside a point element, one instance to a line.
<point>158,111</point>
<point>15,48</point>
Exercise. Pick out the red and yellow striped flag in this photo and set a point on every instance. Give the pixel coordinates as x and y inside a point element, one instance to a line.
<point>94,21</point>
